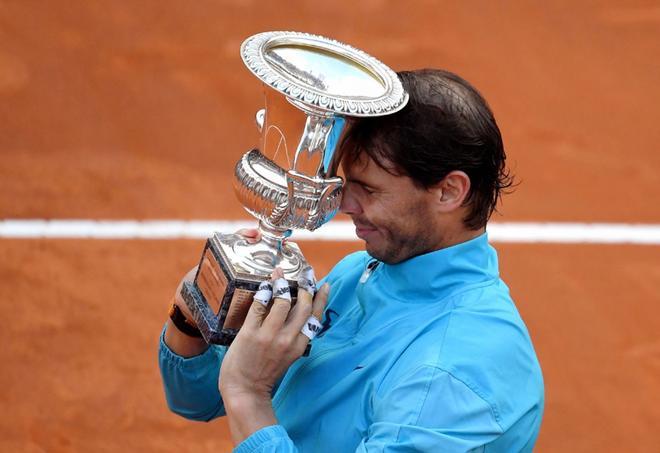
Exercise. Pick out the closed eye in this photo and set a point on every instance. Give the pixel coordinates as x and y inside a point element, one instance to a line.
<point>367,188</point>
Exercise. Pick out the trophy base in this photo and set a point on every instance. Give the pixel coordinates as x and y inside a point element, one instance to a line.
<point>227,278</point>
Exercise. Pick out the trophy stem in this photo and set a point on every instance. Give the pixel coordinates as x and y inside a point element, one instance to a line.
<point>274,237</point>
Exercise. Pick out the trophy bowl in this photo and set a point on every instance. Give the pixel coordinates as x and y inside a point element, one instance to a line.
<point>290,199</point>
<point>312,85</point>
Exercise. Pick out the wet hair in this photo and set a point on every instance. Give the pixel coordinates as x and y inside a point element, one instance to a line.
<point>446,126</point>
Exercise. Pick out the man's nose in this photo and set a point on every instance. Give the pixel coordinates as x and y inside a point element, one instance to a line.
<point>349,205</point>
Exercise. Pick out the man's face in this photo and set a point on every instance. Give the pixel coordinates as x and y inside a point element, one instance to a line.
<point>392,215</point>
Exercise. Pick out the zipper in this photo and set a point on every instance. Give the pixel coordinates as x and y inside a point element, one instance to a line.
<point>367,272</point>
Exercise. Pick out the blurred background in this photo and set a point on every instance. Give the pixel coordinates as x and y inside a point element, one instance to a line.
<point>139,110</point>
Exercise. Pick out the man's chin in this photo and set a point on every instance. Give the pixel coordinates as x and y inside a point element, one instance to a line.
<point>377,249</point>
<point>375,252</point>
<point>369,248</point>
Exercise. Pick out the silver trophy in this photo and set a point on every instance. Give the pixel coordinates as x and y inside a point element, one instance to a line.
<point>290,182</point>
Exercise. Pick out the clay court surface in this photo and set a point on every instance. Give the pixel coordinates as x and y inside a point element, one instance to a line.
<point>138,110</point>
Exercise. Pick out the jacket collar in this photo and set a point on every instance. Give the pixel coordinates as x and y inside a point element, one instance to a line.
<point>440,273</point>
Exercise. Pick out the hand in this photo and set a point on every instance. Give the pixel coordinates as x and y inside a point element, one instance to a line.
<point>178,299</point>
<point>252,235</point>
<point>265,347</point>
<point>179,342</point>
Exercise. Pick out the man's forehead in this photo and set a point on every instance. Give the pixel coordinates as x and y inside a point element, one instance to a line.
<point>361,162</point>
<point>355,161</point>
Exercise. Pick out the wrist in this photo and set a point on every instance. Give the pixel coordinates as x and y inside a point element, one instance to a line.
<point>182,344</point>
<point>246,402</point>
<point>183,322</point>
<point>247,413</point>
<point>239,391</point>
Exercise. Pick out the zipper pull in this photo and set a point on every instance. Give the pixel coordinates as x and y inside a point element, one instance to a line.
<point>367,272</point>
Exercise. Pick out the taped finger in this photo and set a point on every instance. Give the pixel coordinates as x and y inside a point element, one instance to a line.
<point>281,306</point>
<point>312,327</point>
<point>307,281</point>
<point>281,289</point>
<point>264,293</point>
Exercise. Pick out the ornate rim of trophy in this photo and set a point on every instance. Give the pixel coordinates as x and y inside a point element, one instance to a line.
<point>326,81</point>
<point>254,54</point>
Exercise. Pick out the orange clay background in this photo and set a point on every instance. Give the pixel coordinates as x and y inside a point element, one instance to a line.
<point>139,109</point>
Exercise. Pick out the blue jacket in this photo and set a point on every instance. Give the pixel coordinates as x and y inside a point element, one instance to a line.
<point>428,355</point>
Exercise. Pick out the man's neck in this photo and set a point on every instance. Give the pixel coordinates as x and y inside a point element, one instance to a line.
<point>459,236</point>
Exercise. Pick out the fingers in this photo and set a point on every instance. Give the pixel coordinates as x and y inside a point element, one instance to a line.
<point>303,308</point>
<point>307,281</point>
<point>301,311</point>
<point>282,321</point>
<point>311,325</point>
<point>259,308</point>
<point>252,235</point>
<point>320,301</point>
<point>281,302</point>
<point>278,289</point>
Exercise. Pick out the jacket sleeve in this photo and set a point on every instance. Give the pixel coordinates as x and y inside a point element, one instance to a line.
<point>271,439</point>
<point>429,411</point>
<point>191,384</point>
<point>191,390</point>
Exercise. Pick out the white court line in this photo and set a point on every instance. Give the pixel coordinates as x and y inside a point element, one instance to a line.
<point>516,232</point>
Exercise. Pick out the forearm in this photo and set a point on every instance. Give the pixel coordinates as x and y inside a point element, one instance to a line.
<point>191,383</point>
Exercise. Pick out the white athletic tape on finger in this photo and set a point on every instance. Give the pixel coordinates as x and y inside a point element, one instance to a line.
<point>307,281</point>
<point>264,293</point>
<point>311,328</point>
<point>281,289</point>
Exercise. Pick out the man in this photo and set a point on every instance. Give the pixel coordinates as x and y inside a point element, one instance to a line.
<point>422,348</point>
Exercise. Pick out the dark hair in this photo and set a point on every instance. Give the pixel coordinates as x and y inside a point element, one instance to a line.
<point>446,126</point>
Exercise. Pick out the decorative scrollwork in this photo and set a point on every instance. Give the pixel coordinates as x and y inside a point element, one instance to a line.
<point>394,98</point>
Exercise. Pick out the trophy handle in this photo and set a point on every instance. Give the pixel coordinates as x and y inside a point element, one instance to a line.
<point>283,209</point>
<point>317,216</point>
<point>318,213</point>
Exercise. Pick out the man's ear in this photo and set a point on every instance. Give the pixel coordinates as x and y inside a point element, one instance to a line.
<point>452,191</point>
